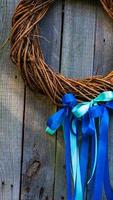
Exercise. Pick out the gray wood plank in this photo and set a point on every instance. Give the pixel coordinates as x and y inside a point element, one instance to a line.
<point>78,38</point>
<point>39,148</point>
<point>103,60</point>
<point>50,35</point>
<point>77,61</point>
<point>103,63</point>
<point>11,112</point>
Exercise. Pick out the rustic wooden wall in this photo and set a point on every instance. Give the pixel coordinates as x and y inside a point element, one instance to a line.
<point>77,39</point>
<point>11,112</point>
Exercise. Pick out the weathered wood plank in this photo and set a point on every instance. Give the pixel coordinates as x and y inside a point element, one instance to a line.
<point>43,169</point>
<point>103,62</point>
<point>103,59</point>
<point>77,61</point>
<point>50,36</point>
<point>11,112</point>
<point>78,38</point>
<point>39,148</point>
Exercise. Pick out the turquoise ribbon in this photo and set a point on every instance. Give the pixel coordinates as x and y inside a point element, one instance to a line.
<point>76,163</point>
<point>64,117</point>
<point>90,111</point>
<point>82,108</point>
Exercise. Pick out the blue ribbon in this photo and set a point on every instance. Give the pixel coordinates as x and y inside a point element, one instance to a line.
<point>64,117</point>
<point>77,158</point>
<point>101,176</point>
<point>100,166</point>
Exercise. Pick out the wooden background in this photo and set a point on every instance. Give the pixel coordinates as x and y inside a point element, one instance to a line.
<point>77,39</point>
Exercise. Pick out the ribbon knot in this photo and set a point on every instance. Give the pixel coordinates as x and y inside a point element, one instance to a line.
<point>88,111</point>
<point>57,119</point>
<point>69,116</point>
<point>65,117</point>
<point>82,108</point>
<point>69,100</point>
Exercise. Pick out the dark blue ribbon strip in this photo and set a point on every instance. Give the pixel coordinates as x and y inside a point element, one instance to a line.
<point>64,117</point>
<point>89,112</point>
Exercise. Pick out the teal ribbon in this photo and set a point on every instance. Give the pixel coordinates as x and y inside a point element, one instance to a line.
<point>76,163</point>
<point>82,108</point>
<point>88,111</point>
<point>64,117</point>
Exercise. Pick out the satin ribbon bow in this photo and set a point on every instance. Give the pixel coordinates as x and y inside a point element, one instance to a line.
<point>64,117</point>
<point>82,108</point>
<point>100,168</point>
<point>87,112</point>
<point>57,119</point>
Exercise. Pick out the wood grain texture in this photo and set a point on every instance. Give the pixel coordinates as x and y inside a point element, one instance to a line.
<point>103,63</point>
<point>39,148</point>
<point>50,36</point>
<point>85,48</point>
<point>103,56</point>
<point>76,61</point>
<point>11,112</point>
<point>78,38</point>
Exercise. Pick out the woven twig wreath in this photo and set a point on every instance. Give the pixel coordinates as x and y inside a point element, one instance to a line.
<point>27,55</point>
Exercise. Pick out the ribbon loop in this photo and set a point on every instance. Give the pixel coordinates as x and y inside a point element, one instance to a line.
<point>64,117</point>
<point>57,119</point>
<point>88,113</point>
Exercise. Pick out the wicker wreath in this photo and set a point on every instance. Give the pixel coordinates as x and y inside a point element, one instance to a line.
<point>26,53</point>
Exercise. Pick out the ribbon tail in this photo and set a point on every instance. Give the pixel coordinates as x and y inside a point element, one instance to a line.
<point>94,157</point>
<point>78,194</point>
<point>84,160</point>
<point>68,156</point>
<point>91,185</point>
<point>107,184</point>
<point>74,155</point>
<point>78,191</point>
<point>101,159</point>
<point>76,167</point>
